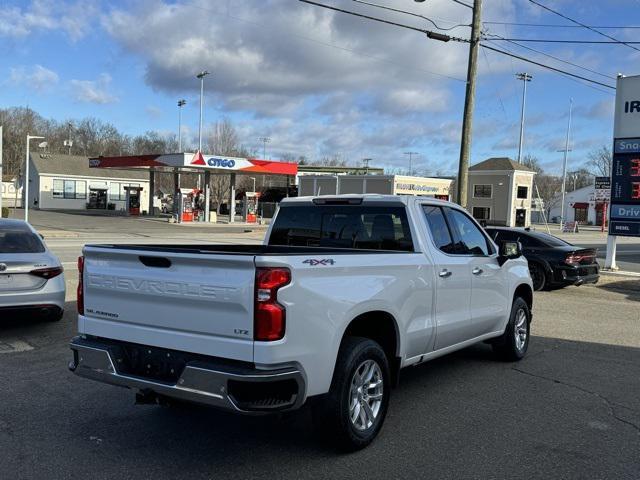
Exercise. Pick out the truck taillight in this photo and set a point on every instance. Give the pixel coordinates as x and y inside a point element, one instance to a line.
<point>80,293</point>
<point>269,315</point>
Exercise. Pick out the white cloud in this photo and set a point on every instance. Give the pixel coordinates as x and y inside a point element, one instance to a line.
<point>36,77</point>
<point>72,18</point>
<point>93,91</point>
<point>270,56</point>
<point>154,111</point>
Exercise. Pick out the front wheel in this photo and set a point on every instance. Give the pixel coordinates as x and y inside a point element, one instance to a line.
<point>354,410</point>
<point>514,342</point>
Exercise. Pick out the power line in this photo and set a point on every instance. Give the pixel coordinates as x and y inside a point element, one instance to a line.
<point>589,42</point>
<point>413,14</point>
<point>611,77</point>
<point>460,3</point>
<point>555,25</point>
<point>429,33</point>
<point>580,82</point>
<point>628,44</point>
<point>524,59</point>
<point>442,37</point>
<point>331,45</point>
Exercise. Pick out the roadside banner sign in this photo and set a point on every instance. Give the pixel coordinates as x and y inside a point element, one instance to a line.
<point>625,168</point>
<point>570,227</point>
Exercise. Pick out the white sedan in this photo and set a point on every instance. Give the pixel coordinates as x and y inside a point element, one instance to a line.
<point>31,277</point>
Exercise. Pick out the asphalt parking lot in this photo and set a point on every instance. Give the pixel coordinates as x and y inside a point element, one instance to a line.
<point>571,409</point>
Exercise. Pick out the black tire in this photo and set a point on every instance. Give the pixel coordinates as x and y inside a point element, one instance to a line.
<point>508,347</point>
<point>538,276</point>
<point>332,413</point>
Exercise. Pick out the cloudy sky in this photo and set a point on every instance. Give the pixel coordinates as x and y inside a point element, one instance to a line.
<point>318,83</point>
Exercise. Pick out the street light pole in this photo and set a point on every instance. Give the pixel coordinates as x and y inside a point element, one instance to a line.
<point>470,94</point>
<point>26,180</point>
<point>264,141</point>
<point>366,165</point>
<point>201,76</point>
<point>411,154</point>
<point>564,164</point>
<point>181,103</point>
<point>525,77</point>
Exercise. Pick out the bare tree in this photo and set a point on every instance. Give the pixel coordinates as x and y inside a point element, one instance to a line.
<point>549,188</point>
<point>223,140</point>
<point>599,163</point>
<point>532,162</point>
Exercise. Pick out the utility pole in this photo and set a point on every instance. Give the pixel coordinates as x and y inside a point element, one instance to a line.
<point>69,143</point>
<point>564,164</point>
<point>201,76</point>
<point>181,103</point>
<point>411,154</point>
<point>525,77</point>
<point>366,165</point>
<point>264,141</point>
<point>470,94</point>
<point>26,180</point>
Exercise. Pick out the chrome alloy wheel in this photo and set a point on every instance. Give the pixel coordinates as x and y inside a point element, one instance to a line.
<point>365,395</point>
<point>520,330</point>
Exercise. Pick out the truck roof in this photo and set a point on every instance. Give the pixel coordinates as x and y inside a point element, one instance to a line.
<point>369,198</point>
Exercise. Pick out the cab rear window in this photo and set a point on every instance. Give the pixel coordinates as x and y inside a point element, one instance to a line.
<point>344,226</point>
<point>19,241</point>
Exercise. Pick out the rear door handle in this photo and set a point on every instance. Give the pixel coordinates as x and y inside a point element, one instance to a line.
<point>445,273</point>
<point>477,271</point>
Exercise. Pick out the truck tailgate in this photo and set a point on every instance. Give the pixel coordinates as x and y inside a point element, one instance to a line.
<point>193,302</point>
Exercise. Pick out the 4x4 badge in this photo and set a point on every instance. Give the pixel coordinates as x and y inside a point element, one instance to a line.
<point>314,262</point>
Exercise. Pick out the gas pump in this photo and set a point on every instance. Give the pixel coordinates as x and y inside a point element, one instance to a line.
<point>251,207</point>
<point>186,213</point>
<point>133,200</point>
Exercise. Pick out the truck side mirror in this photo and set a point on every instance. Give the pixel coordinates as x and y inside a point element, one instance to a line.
<point>509,250</point>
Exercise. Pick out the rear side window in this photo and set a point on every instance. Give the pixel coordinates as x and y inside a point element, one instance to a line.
<point>439,229</point>
<point>343,226</point>
<point>19,241</point>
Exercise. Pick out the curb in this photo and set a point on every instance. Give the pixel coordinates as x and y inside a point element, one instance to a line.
<point>619,273</point>
<point>55,234</point>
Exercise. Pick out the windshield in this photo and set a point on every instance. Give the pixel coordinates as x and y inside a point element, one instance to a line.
<point>20,240</point>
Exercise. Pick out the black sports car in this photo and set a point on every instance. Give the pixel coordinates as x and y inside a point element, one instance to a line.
<point>552,261</point>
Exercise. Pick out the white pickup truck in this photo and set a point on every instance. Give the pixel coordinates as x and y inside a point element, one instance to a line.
<point>344,293</point>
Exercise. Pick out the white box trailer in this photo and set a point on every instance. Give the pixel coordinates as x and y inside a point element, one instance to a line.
<point>314,185</point>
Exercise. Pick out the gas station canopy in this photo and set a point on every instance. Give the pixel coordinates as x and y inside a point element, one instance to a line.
<point>197,162</point>
<point>177,163</point>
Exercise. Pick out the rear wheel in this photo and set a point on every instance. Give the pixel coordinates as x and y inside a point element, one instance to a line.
<point>514,342</point>
<point>352,413</point>
<point>538,276</point>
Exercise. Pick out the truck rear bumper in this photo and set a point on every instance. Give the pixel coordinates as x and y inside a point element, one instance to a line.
<point>227,385</point>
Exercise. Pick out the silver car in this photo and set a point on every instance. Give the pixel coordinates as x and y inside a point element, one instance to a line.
<point>31,277</point>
